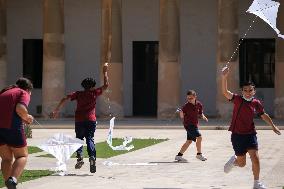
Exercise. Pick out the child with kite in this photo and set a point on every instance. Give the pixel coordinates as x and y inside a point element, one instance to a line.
<point>85,116</point>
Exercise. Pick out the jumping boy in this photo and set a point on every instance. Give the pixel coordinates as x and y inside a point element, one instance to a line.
<point>243,138</point>
<point>85,116</point>
<point>190,112</point>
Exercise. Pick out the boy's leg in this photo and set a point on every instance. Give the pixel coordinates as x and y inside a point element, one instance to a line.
<point>189,138</point>
<point>91,147</point>
<point>235,160</point>
<point>239,159</point>
<point>255,163</point>
<point>256,169</point>
<point>89,135</point>
<point>185,146</point>
<point>199,154</point>
<point>7,161</point>
<point>21,157</point>
<point>79,130</point>
<point>198,144</point>
<point>182,150</point>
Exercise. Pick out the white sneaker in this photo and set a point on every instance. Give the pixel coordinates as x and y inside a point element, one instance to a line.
<point>258,185</point>
<point>201,157</point>
<point>180,159</point>
<point>230,164</point>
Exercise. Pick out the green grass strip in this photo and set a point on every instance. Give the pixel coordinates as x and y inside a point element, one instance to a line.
<point>33,149</point>
<point>28,175</point>
<point>104,151</point>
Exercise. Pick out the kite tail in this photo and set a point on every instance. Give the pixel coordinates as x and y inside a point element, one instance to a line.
<point>280,35</point>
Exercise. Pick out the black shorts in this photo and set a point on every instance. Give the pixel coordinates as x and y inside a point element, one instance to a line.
<point>13,137</point>
<point>243,143</point>
<point>85,129</point>
<point>192,132</point>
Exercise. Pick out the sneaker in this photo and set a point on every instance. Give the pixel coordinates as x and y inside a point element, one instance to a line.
<point>230,164</point>
<point>79,163</point>
<point>258,185</point>
<point>201,157</point>
<point>92,164</point>
<point>180,159</point>
<point>10,183</point>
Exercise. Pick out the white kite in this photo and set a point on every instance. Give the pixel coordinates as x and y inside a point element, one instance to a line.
<point>62,147</point>
<point>126,141</point>
<point>267,11</point>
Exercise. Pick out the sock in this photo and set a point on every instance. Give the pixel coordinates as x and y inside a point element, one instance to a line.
<point>199,153</point>
<point>14,179</point>
<point>256,181</point>
<point>179,154</point>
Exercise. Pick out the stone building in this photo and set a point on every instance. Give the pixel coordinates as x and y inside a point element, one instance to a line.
<point>157,50</point>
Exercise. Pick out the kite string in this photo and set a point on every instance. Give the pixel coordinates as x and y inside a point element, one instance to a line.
<point>239,43</point>
<point>238,46</point>
<point>108,91</point>
<point>37,122</point>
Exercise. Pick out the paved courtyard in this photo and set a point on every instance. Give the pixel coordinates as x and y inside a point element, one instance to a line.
<point>162,172</point>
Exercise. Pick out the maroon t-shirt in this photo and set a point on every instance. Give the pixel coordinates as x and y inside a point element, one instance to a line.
<point>243,114</point>
<point>8,101</point>
<point>191,113</point>
<point>86,104</point>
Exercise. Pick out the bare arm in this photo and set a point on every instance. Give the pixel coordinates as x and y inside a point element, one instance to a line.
<point>62,102</point>
<point>24,114</point>
<point>265,117</point>
<point>106,83</point>
<point>228,94</point>
<point>181,115</point>
<point>204,117</point>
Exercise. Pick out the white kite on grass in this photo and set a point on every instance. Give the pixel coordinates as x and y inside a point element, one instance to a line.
<point>266,10</point>
<point>62,147</point>
<point>126,141</point>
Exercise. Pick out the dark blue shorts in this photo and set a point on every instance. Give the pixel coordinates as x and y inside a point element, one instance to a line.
<point>243,143</point>
<point>13,137</point>
<point>85,129</point>
<point>192,132</point>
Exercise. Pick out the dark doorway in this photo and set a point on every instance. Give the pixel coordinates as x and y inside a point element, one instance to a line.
<point>32,60</point>
<point>257,62</point>
<point>145,78</point>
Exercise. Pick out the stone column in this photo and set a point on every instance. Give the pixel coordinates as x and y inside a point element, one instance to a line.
<point>112,100</point>
<point>279,68</point>
<point>53,81</point>
<point>3,45</point>
<point>228,37</point>
<point>169,75</point>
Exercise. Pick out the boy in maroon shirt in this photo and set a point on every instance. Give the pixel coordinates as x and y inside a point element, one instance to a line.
<point>14,101</point>
<point>85,116</point>
<point>190,112</point>
<point>243,136</point>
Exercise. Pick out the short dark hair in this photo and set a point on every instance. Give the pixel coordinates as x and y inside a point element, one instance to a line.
<point>22,83</point>
<point>88,83</point>
<point>248,83</point>
<point>191,92</point>
<point>25,84</point>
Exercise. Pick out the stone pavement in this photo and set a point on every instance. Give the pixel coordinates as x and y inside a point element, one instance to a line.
<point>163,173</point>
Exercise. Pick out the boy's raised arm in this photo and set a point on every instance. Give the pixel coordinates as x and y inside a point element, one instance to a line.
<point>228,94</point>
<point>106,83</point>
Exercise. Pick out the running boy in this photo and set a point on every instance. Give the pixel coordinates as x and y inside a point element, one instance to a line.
<point>190,112</point>
<point>14,101</point>
<point>243,136</point>
<point>85,116</point>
